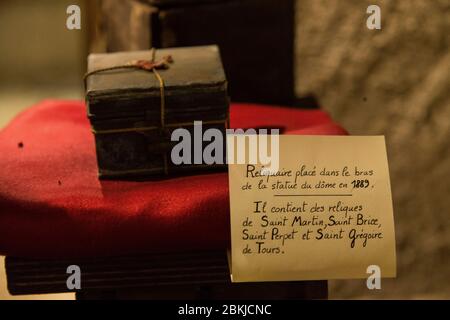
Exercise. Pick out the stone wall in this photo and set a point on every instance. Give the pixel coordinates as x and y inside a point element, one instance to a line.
<point>394,82</point>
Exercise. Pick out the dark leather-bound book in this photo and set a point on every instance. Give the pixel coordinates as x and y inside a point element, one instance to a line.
<point>133,110</point>
<point>188,275</point>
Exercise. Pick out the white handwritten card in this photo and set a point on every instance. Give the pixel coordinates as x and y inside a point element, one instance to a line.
<point>325,213</point>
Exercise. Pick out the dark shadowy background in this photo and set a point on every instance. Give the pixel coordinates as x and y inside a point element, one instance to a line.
<point>393,81</point>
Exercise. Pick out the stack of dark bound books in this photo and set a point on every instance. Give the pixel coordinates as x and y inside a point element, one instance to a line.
<point>137,99</point>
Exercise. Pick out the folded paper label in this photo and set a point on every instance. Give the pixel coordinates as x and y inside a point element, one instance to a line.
<point>326,213</point>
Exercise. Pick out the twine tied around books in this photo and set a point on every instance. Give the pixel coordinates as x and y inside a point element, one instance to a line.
<point>146,65</point>
<point>150,66</point>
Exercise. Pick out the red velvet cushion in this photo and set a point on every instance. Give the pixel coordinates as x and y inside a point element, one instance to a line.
<point>52,204</point>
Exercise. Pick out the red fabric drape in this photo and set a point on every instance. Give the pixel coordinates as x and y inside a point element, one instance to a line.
<point>52,204</point>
